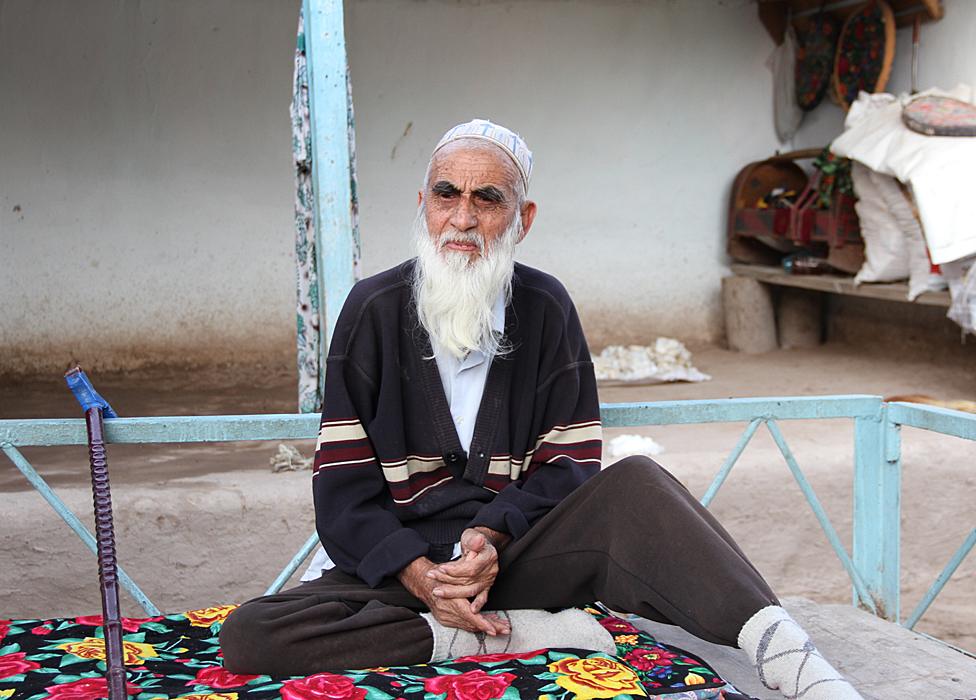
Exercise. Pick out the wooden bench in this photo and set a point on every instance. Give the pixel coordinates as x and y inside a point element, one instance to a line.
<point>755,323</point>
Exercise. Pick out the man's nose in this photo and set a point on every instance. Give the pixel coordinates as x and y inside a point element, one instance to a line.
<point>463,217</point>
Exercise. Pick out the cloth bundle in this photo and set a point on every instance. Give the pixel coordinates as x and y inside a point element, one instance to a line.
<point>893,240</point>
<point>939,169</point>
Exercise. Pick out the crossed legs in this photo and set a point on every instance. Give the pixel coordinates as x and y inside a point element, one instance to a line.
<point>632,537</point>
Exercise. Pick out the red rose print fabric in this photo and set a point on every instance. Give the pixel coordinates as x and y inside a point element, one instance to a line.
<point>322,686</point>
<point>470,685</point>
<point>178,656</point>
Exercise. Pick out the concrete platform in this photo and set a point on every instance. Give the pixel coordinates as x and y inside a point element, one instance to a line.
<point>883,660</point>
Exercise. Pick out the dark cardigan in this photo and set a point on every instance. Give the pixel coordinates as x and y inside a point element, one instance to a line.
<point>392,482</point>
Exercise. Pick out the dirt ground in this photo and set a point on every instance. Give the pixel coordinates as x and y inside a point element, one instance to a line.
<point>200,524</point>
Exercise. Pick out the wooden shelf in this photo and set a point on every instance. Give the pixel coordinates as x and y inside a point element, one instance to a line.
<point>838,285</point>
<point>773,13</point>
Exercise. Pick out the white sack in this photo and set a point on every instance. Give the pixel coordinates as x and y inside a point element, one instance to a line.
<point>920,276</point>
<point>885,247</point>
<point>941,170</point>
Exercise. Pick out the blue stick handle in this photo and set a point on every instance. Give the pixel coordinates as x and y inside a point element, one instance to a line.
<point>83,390</point>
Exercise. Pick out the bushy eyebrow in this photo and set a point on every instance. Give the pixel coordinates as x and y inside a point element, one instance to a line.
<point>445,188</point>
<point>490,193</point>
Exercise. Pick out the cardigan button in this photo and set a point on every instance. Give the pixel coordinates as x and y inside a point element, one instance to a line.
<point>452,457</point>
<point>481,455</point>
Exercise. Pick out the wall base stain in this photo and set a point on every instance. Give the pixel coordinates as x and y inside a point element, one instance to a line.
<point>19,362</point>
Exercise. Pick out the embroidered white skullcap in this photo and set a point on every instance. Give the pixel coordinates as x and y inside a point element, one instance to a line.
<point>507,140</point>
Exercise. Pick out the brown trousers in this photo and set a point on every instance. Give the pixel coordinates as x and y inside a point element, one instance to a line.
<point>631,537</point>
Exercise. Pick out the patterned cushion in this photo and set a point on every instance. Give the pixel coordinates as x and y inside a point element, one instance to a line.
<point>178,656</point>
<point>934,115</point>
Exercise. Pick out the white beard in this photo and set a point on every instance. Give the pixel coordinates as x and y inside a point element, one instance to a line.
<point>455,295</point>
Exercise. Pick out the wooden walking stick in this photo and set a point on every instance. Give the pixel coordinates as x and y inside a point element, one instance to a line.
<point>95,408</point>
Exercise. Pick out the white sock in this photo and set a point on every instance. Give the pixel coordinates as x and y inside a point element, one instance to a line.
<point>785,658</point>
<point>531,630</point>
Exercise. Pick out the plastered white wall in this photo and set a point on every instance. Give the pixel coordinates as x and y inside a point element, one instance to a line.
<point>146,185</point>
<point>145,182</point>
<point>947,56</point>
<point>639,115</point>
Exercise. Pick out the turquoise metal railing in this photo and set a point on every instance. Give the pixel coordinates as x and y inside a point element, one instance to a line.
<point>946,422</point>
<point>873,565</point>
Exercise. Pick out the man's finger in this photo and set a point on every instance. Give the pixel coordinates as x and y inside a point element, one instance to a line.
<point>457,613</point>
<point>486,554</point>
<point>502,626</point>
<point>446,591</point>
<point>469,565</point>
<point>473,540</point>
<point>473,621</point>
<point>486,626</point>
<point>497,624</point>
<point>460,577</point>
<point>479,601</point>
<point>452,619</point>
<point>460,572</point>
<point>453,613</point>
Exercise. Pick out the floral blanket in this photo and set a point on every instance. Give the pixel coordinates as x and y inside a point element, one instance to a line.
<point>178,656</point>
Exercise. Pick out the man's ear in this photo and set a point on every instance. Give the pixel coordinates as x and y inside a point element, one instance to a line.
<point>528,216</point>
<point>420,197</point>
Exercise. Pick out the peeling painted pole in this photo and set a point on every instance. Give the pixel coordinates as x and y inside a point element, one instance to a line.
<point>333,170</point>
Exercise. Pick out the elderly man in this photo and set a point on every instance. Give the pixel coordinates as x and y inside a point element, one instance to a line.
<point>457,486</point>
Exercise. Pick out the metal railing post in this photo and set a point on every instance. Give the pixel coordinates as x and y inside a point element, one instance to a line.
<point>877,511</point>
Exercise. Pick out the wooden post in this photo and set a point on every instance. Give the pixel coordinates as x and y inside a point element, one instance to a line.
<point>329,110</point>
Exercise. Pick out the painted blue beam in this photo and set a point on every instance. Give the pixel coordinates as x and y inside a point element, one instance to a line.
<point>329,110</point>
<point>288,426</point>
<point>940,420</point>
<point>167,429</point>
<point>739,410</point>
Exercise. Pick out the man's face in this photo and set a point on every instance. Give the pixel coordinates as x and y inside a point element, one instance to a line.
<point>471,198</point>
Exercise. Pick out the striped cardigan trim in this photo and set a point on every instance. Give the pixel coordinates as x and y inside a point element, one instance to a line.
<point>343,443</point>
<point>340,431</point>
<point>419,484</point>
<point>569,434</point>
<point>578,442</point>
<point>395,472</point>
<point>575,438</point>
